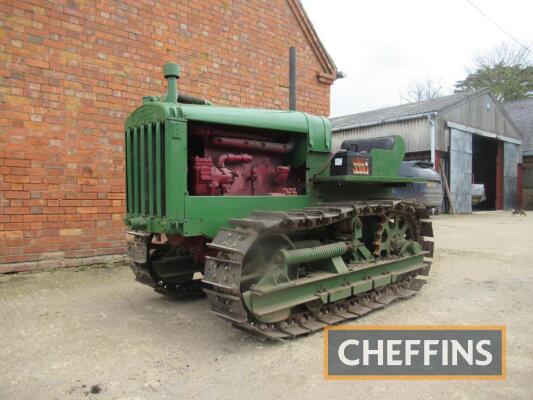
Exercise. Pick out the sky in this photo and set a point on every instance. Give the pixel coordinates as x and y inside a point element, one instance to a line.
<point>385,46</point>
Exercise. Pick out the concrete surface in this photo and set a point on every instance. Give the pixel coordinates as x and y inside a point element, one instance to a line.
<point>64,331</point>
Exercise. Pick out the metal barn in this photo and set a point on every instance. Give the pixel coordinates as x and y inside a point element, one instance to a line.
<point>469,134</point>
<point>521,112</point>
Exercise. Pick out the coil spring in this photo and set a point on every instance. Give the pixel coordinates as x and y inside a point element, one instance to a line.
<point>314,253</point>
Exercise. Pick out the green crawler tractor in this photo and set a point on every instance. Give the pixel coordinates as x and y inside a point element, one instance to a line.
<point>253,208</point>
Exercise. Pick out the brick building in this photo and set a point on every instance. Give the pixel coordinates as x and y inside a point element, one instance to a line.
<point>71,71</point>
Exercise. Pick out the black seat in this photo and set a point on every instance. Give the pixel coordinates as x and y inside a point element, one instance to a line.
<point>366,145</point>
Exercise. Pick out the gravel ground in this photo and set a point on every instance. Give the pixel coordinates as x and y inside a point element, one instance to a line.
<point>95,333</point>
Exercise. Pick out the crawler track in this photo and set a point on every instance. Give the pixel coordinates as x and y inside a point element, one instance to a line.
<point>223,273</point>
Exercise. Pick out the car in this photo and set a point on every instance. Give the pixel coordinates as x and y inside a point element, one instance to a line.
<point>430,193</point>
<point>478,193</point>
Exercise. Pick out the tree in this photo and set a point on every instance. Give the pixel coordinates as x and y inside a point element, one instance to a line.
<point>422,90</point>
<point>506,70</point>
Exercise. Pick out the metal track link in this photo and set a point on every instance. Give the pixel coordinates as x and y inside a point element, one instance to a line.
<point>223,273</point>
<point>331,314</point>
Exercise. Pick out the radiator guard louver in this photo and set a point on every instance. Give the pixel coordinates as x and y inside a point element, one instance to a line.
<point>145,170</point>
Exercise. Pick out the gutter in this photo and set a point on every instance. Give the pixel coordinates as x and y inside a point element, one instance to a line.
<point>432,119</point>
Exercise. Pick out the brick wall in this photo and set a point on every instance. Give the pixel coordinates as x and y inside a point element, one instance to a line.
<point>71,71</point>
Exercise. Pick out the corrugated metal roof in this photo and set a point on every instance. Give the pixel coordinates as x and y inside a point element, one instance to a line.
<point>521,112</point>
<point>414,110</point>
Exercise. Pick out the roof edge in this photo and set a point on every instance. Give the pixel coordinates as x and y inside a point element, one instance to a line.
<point>517,100</point>
<point>473,95</point>
<point>329,73</point>
<point>405,117</point>
<point>385,121</point>
<point>502,109</point>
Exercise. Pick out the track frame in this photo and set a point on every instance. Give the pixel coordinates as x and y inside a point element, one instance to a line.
<point>341,295</point>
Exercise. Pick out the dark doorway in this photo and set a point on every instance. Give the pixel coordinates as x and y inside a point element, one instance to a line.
<point>484,171</point>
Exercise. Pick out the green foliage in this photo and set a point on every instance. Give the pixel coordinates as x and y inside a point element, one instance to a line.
<point>506,82</point>
<point>506,70</point>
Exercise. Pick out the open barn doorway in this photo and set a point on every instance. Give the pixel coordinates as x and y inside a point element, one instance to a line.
<point>485,169</point>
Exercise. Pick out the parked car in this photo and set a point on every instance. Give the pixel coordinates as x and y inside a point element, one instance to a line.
<point>478,193</point>
<point>429,194</point>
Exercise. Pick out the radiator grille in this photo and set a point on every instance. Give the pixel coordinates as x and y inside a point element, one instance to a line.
<point>145,170</point>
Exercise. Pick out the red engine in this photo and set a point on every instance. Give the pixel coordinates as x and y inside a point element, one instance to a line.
<point>224,162</point>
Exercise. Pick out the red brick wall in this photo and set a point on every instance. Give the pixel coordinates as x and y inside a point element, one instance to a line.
<point>71,71</point>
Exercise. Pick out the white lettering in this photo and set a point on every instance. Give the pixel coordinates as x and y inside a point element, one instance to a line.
<point>431,350</point>
<point>444,352</point>
<point>342,352</point>
<point>467,355</point>
<point>367,352</point>
<point>428,352</point>
<point>391,352</point>
<point>409,352</point>
<point>483,352</point>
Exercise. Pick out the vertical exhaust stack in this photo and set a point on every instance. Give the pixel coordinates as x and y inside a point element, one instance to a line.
<point>172,73</point>
<point>292,78</point>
